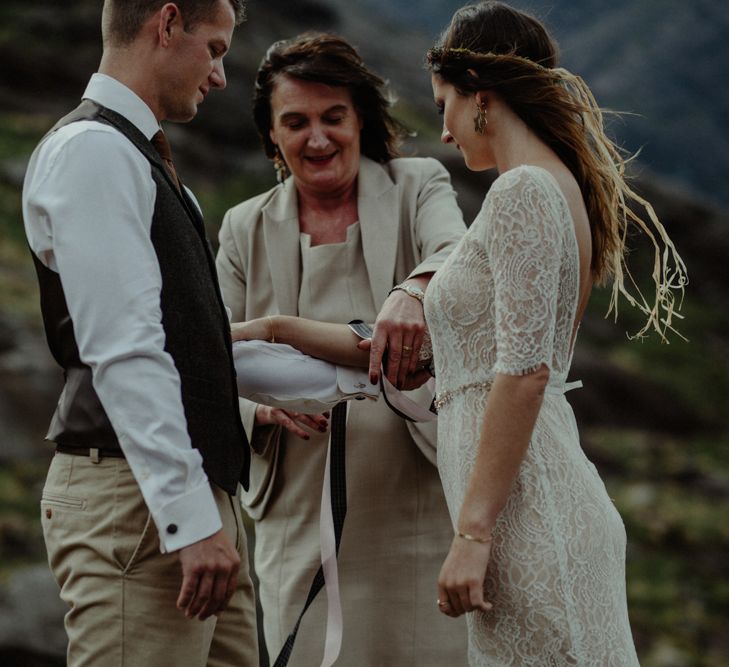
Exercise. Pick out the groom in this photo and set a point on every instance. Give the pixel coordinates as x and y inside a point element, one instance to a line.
<point>140,511</point>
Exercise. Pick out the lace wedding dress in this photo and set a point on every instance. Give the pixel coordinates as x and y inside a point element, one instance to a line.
<point>505,302</point>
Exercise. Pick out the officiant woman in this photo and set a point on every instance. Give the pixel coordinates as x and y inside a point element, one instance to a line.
<point>352,231</point>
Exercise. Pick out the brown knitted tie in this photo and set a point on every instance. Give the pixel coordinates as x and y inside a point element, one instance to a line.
<point>159,141</point>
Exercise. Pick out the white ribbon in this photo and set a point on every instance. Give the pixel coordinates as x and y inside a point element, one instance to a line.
<point>327,541</point>
<point>407,406</point>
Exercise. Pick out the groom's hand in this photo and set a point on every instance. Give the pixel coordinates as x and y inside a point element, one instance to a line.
<point>209,576</point>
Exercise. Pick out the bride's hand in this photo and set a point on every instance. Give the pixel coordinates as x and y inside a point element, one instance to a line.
<point>258,329</point>
<point>460,584</point>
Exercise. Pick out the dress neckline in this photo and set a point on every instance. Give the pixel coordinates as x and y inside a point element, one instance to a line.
<point>306,238</point>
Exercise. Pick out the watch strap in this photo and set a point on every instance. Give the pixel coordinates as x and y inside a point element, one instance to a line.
<point>410,290</point>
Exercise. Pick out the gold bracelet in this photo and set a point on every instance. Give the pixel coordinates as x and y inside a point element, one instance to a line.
<point>273,333</point>
<point>473,538</point>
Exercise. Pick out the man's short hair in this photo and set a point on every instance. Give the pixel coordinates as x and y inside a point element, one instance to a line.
<point>126,17</point>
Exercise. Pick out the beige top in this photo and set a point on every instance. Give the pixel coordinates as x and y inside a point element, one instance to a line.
<point>332,276</point>
<point>397,523</point>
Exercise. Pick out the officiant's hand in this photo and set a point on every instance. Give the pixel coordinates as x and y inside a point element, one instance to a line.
<point>292,421</point>
<point>412,380</point>
<point>399,331</point>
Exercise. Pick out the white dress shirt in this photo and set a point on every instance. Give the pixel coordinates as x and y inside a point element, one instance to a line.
<point>88,202</point>
<point>280,375</point>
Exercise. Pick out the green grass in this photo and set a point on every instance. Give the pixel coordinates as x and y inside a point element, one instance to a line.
<point>217,197</point>
<point>19,133</point>
<point>673,496</point>
<point>11,214</point>
<point>18,136</point>
<point>20,531</point>
<point>640,455</point>
<point>696,371</point>
<point>18,288</point>
<point>674,611</point>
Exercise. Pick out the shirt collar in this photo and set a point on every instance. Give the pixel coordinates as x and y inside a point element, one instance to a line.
<point>114,95</point>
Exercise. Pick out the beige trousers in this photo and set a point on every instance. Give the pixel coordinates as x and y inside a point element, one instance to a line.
<point>103,549</point>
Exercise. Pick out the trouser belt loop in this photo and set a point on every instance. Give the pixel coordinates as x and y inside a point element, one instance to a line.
<point>94,455</point>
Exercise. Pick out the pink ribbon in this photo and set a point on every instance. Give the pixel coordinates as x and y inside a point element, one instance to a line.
<point>335,624</point>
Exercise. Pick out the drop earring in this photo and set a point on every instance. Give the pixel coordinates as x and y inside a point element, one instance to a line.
<point>480,121</point>
<point>280,166</point>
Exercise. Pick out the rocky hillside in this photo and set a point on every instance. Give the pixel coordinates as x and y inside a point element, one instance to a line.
<point>662,61</point>
<point>653,417</point>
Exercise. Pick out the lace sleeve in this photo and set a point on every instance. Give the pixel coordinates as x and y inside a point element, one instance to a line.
<point>524,245</point>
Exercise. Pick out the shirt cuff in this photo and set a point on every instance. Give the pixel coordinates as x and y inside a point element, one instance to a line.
<point>188,519</point>
<point>355,383</point>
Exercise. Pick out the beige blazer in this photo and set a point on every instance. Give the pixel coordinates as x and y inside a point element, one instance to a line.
<point>409,221</point>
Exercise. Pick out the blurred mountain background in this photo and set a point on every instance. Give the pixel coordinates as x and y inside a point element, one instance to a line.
<point>654,418</point>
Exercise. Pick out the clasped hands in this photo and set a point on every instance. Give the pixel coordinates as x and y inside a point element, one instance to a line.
<point>398,335</point>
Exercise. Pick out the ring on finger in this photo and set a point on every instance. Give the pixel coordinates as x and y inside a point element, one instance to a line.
<point>442,603</point>
<point>406,349</point>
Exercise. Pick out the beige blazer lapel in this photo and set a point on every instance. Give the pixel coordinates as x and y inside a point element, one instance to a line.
<point>377,207</point>
<point>281,235</point>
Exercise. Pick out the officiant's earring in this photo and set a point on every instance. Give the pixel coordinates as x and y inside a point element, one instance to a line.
<point>280,166</point>
<point>480,121</point>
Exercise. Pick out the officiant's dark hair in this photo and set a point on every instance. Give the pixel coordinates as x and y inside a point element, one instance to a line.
<point>123,19</point>
<point>329,59</point>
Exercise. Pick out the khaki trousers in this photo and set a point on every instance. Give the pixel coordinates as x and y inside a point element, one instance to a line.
<point>104,551</point>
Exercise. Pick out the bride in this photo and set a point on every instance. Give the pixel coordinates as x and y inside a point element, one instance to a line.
<point>537,559</point>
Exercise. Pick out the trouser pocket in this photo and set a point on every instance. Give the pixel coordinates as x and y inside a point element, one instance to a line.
<point>95,509</point>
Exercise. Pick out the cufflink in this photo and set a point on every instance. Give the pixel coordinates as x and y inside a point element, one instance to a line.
<point>172,529</point>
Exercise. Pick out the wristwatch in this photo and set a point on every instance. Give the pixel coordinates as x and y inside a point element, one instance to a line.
<point>413,290</point>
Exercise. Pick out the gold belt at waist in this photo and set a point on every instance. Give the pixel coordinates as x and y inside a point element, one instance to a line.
<point>449,394</point>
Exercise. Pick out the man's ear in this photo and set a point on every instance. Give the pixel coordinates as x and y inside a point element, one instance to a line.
<point>169,19</point>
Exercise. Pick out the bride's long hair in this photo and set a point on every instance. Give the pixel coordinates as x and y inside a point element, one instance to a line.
<point>512,54</point>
